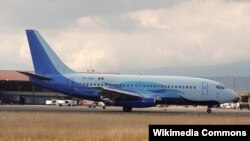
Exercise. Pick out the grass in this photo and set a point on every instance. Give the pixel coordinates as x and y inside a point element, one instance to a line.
<point>58,126</point>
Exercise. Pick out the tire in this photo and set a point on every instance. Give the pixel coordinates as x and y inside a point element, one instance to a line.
<point>209,110</point>
<point>127,109</point>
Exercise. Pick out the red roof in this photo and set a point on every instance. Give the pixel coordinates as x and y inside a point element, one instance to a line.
<point>10,75</point>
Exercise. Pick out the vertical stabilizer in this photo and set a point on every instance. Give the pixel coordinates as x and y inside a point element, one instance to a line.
<point>44,59</point>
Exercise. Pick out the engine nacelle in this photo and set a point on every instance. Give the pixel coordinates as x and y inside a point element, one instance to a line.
<point>136,103</point>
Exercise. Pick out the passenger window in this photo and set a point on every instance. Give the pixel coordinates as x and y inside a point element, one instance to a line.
<point>186,87</point>
<point>190,87</point>
<point>194,87</point>
<point>183,87</point>
<point>179,87</point>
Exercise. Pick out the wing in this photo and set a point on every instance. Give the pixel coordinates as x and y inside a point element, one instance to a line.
<point>113,93</point>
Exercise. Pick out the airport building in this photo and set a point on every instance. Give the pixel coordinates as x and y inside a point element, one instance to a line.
<point>15,88</point>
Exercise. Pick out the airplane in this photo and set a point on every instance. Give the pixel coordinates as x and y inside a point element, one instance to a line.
<point>127,91</point>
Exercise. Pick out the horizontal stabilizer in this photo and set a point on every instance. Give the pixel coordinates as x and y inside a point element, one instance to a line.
<point>36,76</point>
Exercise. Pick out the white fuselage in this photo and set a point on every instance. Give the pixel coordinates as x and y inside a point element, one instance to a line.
<point>195,89</point>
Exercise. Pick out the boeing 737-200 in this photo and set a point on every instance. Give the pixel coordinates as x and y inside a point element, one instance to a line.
<point>128,91</point>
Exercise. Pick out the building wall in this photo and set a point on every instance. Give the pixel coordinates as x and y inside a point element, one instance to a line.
<point>14,97</point>
<point>23,92</point>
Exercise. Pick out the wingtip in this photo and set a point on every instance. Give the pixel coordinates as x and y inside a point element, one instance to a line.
<point>31,30</point>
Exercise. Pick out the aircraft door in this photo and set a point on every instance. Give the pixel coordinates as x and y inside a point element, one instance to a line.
<point>218,93</point>
<point>204,88</point>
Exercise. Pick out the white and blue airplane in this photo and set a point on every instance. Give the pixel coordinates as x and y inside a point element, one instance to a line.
<point>128,91</point>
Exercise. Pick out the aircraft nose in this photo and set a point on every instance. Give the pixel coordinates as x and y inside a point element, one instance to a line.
<point>234,95</point>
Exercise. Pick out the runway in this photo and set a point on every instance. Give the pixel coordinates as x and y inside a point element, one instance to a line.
<point>31,122</point>
<point>177,110</point>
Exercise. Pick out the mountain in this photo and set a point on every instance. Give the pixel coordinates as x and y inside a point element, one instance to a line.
<point>234,75</point>
<point>233,69</point>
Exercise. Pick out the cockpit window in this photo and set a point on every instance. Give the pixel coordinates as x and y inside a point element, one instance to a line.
<point>220,87</point>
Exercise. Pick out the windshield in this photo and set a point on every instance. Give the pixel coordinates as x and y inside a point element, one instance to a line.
<point>220,87</point>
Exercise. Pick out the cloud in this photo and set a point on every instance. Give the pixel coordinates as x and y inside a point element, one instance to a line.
<point>191,33</point>
<point>14,52</point>
<point>57,14</point>
<point>184,33</point>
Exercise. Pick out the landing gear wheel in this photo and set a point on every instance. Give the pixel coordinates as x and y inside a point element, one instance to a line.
<point>127,109</point>
<point>209,110</point>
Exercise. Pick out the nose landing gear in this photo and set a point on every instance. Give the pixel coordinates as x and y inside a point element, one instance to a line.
<point>209,110</point>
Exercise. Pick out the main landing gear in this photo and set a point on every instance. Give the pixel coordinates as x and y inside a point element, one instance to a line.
<point>127,109</point>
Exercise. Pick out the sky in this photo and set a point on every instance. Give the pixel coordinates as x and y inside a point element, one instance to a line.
<point>112,35</point>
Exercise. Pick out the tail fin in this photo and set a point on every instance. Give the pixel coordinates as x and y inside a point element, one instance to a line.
<point>44,59</point>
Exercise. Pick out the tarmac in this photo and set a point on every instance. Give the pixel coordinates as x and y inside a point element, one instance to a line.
<point>177,110</point>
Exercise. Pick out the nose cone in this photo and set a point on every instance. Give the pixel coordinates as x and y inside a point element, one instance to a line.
<point>232,95</point>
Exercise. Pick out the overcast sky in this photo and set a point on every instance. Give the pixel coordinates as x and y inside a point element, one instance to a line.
<point>112,35</point>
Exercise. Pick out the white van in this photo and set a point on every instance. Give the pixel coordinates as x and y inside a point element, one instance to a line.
<point>64,102</point>
<point>69,103</point>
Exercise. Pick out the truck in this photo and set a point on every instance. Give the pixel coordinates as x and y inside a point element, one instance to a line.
<point>68,103</point>
<point>92,104</point>
<point>244,105</point>
<point>88,103</point>
<point>230,105</point>
<point>60,103</point>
